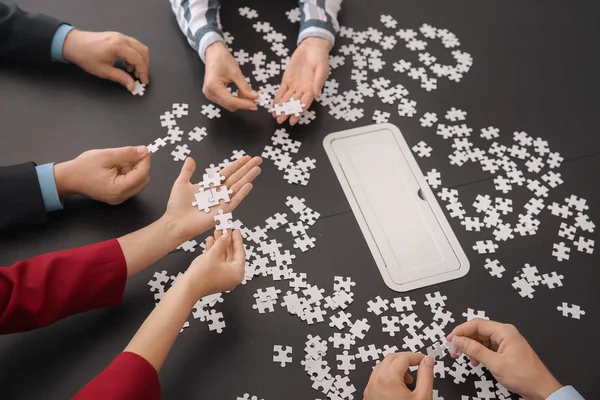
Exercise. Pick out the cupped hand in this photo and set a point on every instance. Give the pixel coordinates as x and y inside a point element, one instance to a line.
<point>389,378</point>
<point>221,268</point>
<point>108,175</point>
<point>304,76</point>
<point>190,221</point>
<point>507,355</point>
<point>221,70</point>
<point>97,52</point>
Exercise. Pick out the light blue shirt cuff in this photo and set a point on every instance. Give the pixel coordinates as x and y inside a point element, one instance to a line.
<point>47,183</point>
<point>58,41</point>
<point>566,393</point>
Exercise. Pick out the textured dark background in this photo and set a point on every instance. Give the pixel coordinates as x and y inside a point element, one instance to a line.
<point>535,69</point>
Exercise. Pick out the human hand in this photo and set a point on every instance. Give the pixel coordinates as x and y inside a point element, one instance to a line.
<point>304,76</point>
<point>221,268</point>
<point>507,355</point>
<point>389,378</point>
<point>108,175</point>
<point>188,220</point>
<point>96,53</point>
<point>221,70</point>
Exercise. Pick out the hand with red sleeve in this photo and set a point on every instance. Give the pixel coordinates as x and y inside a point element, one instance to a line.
<point>41,290</point>
<point>134,373</point>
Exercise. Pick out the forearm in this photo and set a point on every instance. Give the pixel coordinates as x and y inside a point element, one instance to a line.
<point>26,37</point>
<point>157,334</point>
<point>149,244</point>
<point>44,289</point>
<point>319,20</point>
<point>199,21</point>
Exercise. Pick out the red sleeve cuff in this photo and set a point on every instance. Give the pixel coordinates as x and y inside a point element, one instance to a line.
<point>41,290</point>
<point>128,377</point>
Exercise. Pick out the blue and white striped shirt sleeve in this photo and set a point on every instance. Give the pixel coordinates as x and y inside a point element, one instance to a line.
<point>200,22</point>
<point>319,18</point>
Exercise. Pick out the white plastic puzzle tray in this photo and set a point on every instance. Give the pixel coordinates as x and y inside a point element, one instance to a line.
<point>403,224</point>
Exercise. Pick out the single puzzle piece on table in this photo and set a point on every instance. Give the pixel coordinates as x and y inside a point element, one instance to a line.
<point>560,251</point>
<point>435,300</point>
<point>403,304</point>
<point>443,317</point>
<point>188,245</point>
<point>304,243</point>
<point>552,280</point>
<point>283,355</point>
<point>390,324</point>
<point>174,135</point>
<point>560,210</point>
<point>472,224</point>
<point>181,152</point>
<point>248,397</point>
<point>215,321</point>
<point>340,320</point>
<point>485,246</point>
<point>494,268</point>
<point>257,235</point>
<point>378,305</point>
<point>584,245</point>
<point>341,283</point>
<point>180,109</point>
<point>436,351</point>
<point>276,221</point>
<point>211,111</point>
<point>296,229</point>
<point>411,321</point>
<point>368,353</point>
<point>412,341</point>
<point>567,231</point>
<point>224,221</point>
<point>433,179</point>
<point>582,221</point>
<point>459,372</point>
<point>315,347</point>
<point>270,247</point>
<point>313,294</point>
<point>342,340</point>
<point>579,204</point>
<point>573,311</point>
<point>531,273</point>
<point>158,282</point>
<point>422,149</point>
<point>345,362</point>
<point>197,134</point>
<point>381,117</point>
<point>523,286</point>
<point>484,389</point>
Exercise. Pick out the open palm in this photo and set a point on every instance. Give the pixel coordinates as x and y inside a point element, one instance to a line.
<point>192,222</point>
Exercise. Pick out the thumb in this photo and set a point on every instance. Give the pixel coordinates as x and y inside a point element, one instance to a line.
<point>120,76</point>
<point>221,244</point>
<point>321,75</point>
<point>244,87</point>
<point>477,351</point>
<point>189,166</point>
<point>424,387</point>
<point>128,154</point>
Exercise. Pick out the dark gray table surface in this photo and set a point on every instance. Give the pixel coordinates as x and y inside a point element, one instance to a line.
<point>535,69</point>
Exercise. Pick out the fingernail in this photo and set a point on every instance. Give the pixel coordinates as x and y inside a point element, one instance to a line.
<point>460,343</point>
<point>142,149</point>
<point>254,93</point>
<point>225,234</point>
<point>429,361</point>
<point>254,108</point>
<point>130,87</point>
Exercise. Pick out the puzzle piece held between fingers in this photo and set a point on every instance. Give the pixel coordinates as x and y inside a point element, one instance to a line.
<point>224,221</point>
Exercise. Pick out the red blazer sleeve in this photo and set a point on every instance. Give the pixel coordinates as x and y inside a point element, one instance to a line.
<point>128,377</point>
<point>41,290</point>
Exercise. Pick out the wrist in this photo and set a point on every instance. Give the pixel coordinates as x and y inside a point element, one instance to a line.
<point>172,230</point>
<point>214,49</point>
<point>319,42</point>
<point>188,286</point>
<point>64,182</point>
<point>546,387</point>
<point>70,45</point>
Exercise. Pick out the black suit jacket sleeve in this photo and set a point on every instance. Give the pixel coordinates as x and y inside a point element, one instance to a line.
<point>25,38</point>
<point>21,199</point>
